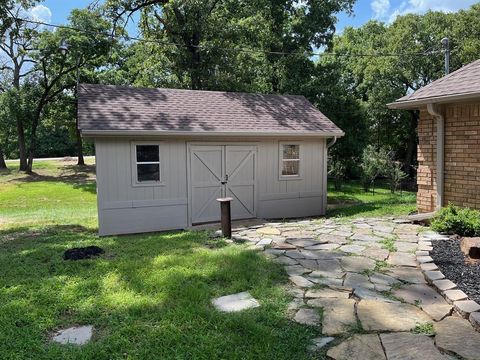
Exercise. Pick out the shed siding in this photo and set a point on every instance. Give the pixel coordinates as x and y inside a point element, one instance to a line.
<point>125,208</point>
<point>462,157</point>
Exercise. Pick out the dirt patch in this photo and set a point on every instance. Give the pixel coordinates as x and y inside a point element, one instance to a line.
<point>451,261</point>
<point>82,253</point>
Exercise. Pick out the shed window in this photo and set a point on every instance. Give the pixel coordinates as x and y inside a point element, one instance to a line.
<point>148,163</point>
<point>290,160</point>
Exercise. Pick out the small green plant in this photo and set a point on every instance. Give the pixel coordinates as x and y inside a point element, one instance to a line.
<point>426,329</point>
<point>389,244</point>
<point>456,220</point>
<point>394,174</point>
<point>368,272</point>
<point>356,328</point>
<point>381,265</point>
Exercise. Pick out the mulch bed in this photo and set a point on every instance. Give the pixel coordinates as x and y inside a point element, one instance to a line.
<point>451,262</point>
<point>82,253</point>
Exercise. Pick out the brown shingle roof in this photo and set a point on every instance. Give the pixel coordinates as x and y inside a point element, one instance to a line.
<point>116,108</point>
<point>463,83</point>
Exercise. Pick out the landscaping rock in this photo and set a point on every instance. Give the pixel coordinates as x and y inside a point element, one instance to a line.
<point>296,270</point>
<point>286,260</point>
<point>323,247</point>
<point>428,266</point>
<point>338,314</point>
<point>382,316</point>
<point>434,275</point>
<point>475,320</point>
<point>424,259</point>
<point>307,317</point>
<point>454,295</point>
<point>465,307</point>
<point>366,294</point>
<point>406,346</point>
<point>443,285</point>
<point>328,269</point>
<point>358,347</point>
<point>456,335</point>
<point>235,302</point>
<point>76,335</point>
<point>407,247</point>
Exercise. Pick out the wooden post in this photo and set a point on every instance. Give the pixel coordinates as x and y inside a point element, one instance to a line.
<point>226,217</point>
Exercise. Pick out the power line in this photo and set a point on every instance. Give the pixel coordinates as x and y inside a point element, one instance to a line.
<point>246,50</point>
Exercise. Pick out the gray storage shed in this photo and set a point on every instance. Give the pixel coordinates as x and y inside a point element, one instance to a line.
<point>163,156</point>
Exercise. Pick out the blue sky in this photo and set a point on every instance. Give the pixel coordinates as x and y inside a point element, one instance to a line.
<point>57,11</point>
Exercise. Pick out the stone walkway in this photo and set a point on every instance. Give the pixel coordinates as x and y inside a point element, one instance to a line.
<point>360,281</point>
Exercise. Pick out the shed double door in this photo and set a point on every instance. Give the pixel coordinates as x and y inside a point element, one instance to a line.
<point>222,171</point>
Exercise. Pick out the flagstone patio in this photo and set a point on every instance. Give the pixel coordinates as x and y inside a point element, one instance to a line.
<point>375,295</point>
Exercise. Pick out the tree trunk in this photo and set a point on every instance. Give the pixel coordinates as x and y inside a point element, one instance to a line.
<point>81,160</point>
<point>3,164</point>
<point>33,135</point>
<point>22,153</point>
<point>412,143</point>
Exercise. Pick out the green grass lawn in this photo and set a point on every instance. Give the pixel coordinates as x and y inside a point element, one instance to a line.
<point>148,296</point>
<point>353,201</point>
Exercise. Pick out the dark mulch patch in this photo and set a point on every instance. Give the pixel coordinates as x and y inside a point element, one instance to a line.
<point>451,262</point>
<point>82,253</point>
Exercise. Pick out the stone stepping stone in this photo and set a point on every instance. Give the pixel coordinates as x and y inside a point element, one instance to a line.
<point>264,242</point>
<point>338,314</point>
<point>405,246</point>
<point>296,270</point>
<point>352,249</point>
<point>235,302</point>
<point>456,335</point>
<point>444,285</point>
<point>376,253</point>
<point>383,279</point>
<point>76,335</point>
<point>319,343</point>
<point>268,230</point>
<point>354,281</point>
<point>357,263</point>
<point>327,293</point>
<point>383,316</point>
<point>283,246</point>
<point>307,317</point>
<point>300,281</point>
<point>410,275</point>
<point>406,346</point>
<point>303,242</point>
<point>294,254</point>
<point>284,260</point>
<point>426,298</point>
<point>366,238</point>
<point>328,269</point>
<point>298,234</point>
<point>327,247</point>
<point>402,259</point>
<point>326,281</point>
<point>428,267</point>
<point>366,294</point>
<point>358,347</point>
<point>341,233</point>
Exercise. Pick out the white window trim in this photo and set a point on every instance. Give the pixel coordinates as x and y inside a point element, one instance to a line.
<point>281,160</point>
<point>135,182</point>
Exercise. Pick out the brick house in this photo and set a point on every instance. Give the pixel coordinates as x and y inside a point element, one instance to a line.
<point>448,139</point>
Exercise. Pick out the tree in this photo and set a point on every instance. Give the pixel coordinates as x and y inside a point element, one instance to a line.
<point>17,47</point>
<point>88,48</point>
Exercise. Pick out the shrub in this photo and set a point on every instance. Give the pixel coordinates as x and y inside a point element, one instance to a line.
<point>460,221</point>
<point>337,172</point>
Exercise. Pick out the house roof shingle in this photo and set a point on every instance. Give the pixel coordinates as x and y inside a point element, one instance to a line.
<point>106,108</point>
<point>460,84</point>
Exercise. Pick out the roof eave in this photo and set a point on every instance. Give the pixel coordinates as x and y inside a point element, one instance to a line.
<point>106,133</point>
<point>417,103</point>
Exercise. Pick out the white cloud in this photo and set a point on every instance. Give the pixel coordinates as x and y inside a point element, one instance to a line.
<point>421,7</point>
<point>41,13</point>
<point>380,8</point>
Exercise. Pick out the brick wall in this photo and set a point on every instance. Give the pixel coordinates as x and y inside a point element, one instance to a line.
<point>462,157</point>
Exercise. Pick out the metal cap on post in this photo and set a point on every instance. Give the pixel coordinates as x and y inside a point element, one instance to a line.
<point>226,218</point>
